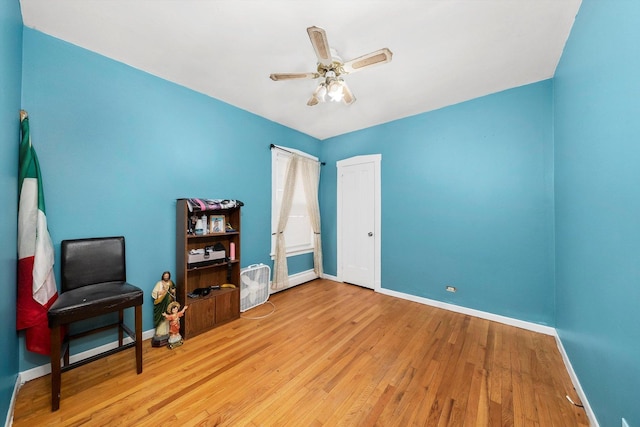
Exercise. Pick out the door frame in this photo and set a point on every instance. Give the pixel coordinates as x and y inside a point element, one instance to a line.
<point>376,159</point>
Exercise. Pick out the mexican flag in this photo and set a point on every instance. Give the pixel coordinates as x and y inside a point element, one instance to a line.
<point>36,282</point>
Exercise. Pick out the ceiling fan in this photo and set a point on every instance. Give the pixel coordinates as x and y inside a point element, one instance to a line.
<point>331,70</point>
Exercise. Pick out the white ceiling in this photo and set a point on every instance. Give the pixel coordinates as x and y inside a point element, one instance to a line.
<point>444,51</point>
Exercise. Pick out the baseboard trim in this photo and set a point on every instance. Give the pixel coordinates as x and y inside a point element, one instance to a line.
<point>535,327</point>
<point>42,370</point>
<point>593,421</point>
<point>295,280</point>
<point>16,387</point>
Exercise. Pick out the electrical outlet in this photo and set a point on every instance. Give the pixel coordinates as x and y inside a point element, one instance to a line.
<point>450,288</point>
<point>625,423</point>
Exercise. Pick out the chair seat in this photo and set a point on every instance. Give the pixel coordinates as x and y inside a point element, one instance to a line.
<point>93,300</point>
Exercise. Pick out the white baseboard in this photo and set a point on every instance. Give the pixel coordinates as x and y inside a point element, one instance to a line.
<point>535,327</point>
<point>296,279</point>
<point>547,330</point>
<point>9,421</point>
<point>41,371</point>
<point>593,421</point>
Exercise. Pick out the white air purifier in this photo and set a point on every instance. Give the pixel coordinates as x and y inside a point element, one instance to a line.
<point>254,286</point>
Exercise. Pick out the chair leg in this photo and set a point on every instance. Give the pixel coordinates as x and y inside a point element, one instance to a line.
<point>55,368</point>
<point>120,331</point>
<point>138,310</point>
<point>66,346</point>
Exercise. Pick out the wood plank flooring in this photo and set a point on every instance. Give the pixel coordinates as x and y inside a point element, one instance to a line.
<point>331,354</point>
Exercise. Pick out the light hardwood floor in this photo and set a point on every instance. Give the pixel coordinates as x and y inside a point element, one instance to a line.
<point>330,355</point>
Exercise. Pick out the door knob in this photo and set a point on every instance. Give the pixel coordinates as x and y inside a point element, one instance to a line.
<point>370,234</point>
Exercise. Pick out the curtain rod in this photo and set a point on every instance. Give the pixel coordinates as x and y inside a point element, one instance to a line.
<point>272,146</point>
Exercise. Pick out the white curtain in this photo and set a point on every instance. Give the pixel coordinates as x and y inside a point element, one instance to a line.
<point>310,171</point>
<point>280,271</point>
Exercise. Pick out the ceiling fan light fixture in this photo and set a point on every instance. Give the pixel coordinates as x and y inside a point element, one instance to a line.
<point>331,68</point>
<point>335,90</point>
<point>321,92</point>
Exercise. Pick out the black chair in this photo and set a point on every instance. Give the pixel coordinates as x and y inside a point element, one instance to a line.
<point>93,284</point>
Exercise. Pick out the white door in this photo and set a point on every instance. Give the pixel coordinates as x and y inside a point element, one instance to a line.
<point>359,221</point>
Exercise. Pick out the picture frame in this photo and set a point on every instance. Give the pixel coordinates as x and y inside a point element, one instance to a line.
<point>216,224</point>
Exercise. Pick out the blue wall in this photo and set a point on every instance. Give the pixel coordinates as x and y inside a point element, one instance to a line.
<point>597,139</point>
<point>117,147</point>
<point>468,190</point>
<point>467,200</point>
<point>10,86</point>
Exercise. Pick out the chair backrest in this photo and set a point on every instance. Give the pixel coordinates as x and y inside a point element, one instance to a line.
<point>90,261</point>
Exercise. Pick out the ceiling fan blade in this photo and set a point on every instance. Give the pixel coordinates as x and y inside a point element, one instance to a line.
<point>320,45</point>
<point>316,97</point>
<point>347,95</point>
<point>378,57</point>
<point>291,76</point>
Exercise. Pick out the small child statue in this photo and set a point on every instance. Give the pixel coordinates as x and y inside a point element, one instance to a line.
<point>173,315</point>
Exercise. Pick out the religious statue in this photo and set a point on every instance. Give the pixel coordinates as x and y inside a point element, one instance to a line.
<point>173,315</point>
<point>163,294</point>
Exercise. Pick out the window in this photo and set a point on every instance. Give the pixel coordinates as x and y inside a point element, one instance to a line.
<point>298,233</point>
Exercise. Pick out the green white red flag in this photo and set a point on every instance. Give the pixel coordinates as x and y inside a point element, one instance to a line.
<point>36,281</point>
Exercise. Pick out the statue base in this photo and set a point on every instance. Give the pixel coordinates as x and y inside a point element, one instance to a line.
<point>173,345</point>
<point>160,341</point>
